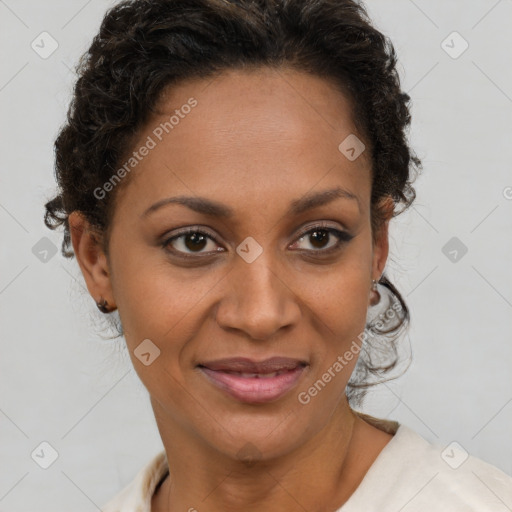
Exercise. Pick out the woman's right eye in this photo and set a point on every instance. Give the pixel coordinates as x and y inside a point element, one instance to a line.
<point>191,241</point>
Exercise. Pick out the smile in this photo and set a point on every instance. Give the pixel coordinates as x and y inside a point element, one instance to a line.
<point>252,382</point>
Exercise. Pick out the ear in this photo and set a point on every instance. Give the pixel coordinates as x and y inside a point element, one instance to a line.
<point>91,258</point>
<point>381,246</point>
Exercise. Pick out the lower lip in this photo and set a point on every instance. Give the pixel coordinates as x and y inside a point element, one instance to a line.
<point>254,389</point>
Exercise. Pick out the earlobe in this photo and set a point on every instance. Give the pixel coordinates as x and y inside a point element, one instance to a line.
<point>92,261</point>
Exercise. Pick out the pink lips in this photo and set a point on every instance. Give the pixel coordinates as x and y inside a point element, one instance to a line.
<point>254,382</point>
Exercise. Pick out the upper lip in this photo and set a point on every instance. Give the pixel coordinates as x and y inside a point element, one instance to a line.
<point>245,365</point>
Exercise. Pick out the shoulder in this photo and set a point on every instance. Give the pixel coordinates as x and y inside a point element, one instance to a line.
<point>136,496</point>
<point>415,475</point>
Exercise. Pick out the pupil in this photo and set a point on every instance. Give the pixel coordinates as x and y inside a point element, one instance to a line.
<point>195,241</point>
<point>318,238</point>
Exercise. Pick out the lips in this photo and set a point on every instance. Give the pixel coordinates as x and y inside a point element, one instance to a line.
<point>254,381</point>
<point>244,365</point>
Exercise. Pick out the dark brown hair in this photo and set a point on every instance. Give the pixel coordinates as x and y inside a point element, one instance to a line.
<point>145,46</point>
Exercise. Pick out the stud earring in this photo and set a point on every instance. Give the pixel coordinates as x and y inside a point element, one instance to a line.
<point>375,293</point>
<point>103,306</point>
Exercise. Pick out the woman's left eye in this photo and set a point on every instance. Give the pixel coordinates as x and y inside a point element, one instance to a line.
<point>322,239</point>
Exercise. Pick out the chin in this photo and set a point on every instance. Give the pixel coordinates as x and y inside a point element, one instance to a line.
<point>254,437</point>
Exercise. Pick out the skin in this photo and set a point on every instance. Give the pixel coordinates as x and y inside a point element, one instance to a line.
<point>256,141</point>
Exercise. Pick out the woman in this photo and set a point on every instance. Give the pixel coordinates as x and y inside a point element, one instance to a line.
<point>227,176</point>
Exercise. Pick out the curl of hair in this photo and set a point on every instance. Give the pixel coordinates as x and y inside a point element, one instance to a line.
<point>145,46</point>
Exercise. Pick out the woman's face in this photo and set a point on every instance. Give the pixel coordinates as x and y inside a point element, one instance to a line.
<point>253,164</point>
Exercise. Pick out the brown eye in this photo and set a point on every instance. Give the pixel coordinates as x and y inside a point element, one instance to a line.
<point>191,242</point>
<point>319,238</point>
<point>195,241</point>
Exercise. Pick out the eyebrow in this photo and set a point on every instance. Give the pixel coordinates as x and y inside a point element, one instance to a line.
<point>216,209</point>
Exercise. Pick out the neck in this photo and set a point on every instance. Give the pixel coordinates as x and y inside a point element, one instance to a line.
<point>319,475</point>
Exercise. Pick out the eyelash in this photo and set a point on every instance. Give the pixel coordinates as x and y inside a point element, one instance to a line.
<point>343,238</point>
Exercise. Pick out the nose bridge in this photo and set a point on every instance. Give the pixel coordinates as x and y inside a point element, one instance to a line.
<point>258,302</point>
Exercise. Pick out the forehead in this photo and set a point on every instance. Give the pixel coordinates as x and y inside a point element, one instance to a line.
<point>244,133</point>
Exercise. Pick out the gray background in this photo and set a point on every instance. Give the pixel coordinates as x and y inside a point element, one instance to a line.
<point>61,383</point>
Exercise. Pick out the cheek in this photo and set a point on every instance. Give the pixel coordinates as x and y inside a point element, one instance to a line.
<point>155,305</point>
<point>339,298</point>
<point>338,304</point>
<point>154,297</point>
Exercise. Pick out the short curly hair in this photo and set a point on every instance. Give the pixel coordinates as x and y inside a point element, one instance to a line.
<point>146,46</point>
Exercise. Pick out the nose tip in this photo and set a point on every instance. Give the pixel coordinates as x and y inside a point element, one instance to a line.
<point>259,321</point>
<point>257,302</point>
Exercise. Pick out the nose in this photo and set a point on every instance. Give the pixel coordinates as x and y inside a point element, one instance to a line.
<point>258,301</point>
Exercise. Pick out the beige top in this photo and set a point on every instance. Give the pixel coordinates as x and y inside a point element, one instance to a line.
<point>409,475</point>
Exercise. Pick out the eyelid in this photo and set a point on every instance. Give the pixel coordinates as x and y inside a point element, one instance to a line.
<point>190,229</point>
<point>342,238</point>
<point>167,239</point>
<point>341,234</point>
<point>319,225</point>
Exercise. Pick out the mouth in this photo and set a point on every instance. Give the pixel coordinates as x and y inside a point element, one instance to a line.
<point>254,382</point>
